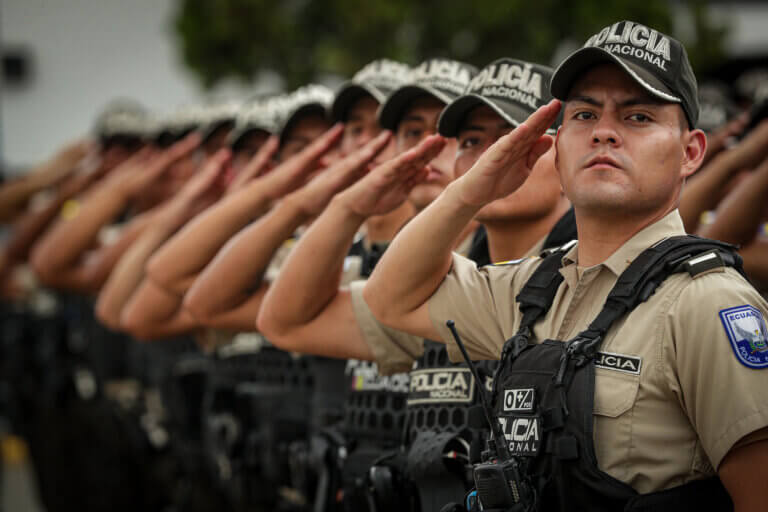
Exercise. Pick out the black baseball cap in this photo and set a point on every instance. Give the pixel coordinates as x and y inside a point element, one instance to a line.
<point>514,89</point>
<point>307,100</point>
<point>378,79</point>
<point>656,61</point>
<point>217,116</point>
<point>443,79</point>
<point>256,114</point>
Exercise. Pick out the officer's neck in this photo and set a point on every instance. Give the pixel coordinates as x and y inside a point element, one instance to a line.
<point>601,235</point>
<point>510,239</point>
<point>383,228</point>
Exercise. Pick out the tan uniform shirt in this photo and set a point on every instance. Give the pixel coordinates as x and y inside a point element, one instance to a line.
<point>691,400</point>
<point>395,351</point>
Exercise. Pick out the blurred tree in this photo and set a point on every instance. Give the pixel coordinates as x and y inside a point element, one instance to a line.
<point>301,39</point>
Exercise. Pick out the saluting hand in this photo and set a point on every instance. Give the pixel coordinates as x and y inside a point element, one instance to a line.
<point>208,181</point>
<point>315,195</point>
<point>133,176</point>
<point>257,166</point>
<point>294,172</point>
<point>508,162</point>
<point>387,186</point>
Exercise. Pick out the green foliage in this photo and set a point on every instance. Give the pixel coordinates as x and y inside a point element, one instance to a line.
<point>301,39</point>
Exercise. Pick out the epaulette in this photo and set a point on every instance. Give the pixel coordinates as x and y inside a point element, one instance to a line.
<point>707,261</point>
<point>563,248</point>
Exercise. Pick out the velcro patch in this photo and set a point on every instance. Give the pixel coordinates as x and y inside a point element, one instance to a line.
<point>522,433</point>
<point>746,330</point>
<point>443,385</point>
<point>519,399</point>
<point>618,362</point>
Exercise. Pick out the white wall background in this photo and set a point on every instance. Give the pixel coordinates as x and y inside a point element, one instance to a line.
<point>85,53</point>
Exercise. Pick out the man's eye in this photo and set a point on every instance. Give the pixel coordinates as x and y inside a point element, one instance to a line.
<point>640,118</point>
<point>584,116</point>
<point>414,133</point>
<point>469,142</point>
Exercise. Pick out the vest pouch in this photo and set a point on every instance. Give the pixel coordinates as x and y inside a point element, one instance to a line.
<point>436,464</point>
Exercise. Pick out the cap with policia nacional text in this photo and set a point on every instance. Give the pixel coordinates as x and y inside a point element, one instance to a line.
<point>514,89</point>
<point>656,61</point>
<point>309,99</point>
<point>441,78</point>
<point>378,79</point>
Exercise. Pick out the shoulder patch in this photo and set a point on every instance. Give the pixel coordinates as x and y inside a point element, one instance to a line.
<point>507,263</point>
<point>747,333</point>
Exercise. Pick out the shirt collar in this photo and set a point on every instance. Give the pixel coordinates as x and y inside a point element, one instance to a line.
<point>670,225</point>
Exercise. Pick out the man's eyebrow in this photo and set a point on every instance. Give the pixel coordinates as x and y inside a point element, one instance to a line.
<point>642,100</point>
<point>413,117</point>
<point>471,127</point>
<point>629,102</point>
<point>584,99</point>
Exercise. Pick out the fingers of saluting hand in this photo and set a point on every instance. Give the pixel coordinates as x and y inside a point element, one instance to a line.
<point>176,152</point>
<point>207,176</point>
<point>368,152</point>
<point>414,160</point>
<point>321,145</point>
<point>519,141</point>
<point>261,159</point>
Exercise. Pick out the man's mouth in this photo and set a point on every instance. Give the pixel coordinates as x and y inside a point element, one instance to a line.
<point>603,161</point>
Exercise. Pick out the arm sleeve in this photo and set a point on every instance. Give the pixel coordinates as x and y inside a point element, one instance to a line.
<point>394,351</point>
<point>721,383</point>
<point>481,304</point>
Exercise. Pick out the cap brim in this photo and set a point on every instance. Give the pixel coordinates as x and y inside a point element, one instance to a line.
<point>393,107</point>
<point>309,108</point>
<point>581,60</point>
<point>211,128</point>
<point>348,95</point>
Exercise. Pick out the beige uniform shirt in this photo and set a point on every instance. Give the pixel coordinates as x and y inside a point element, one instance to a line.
<point>395,351</point>
<point>691,399</point>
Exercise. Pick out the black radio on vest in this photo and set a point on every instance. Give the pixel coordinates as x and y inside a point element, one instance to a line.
<point>541,456</point>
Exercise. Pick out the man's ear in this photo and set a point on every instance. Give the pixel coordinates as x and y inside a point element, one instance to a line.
<point>694,150</point>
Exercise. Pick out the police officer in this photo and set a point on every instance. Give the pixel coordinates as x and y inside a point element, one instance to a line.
<point>677,379</point>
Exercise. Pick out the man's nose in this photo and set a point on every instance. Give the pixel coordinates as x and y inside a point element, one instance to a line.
<point>605,131</point>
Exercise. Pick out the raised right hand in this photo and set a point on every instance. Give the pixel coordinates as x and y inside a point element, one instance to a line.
<point>294,172</point>
<point>507,163</point>
<point>134,175</point>
<point>387,186</point>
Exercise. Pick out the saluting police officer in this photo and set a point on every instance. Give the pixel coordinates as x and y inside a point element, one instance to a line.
<point>677,379</point>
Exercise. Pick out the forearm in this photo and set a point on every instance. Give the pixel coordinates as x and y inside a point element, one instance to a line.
<point>741,213</point>
<point>418,259</point>
<point>129,271</point>
<point>14,195</point>
<point>703,190</point>
<point>153,313</point>
<point>310,277</point>
<point>70,237</point>
<point>240,265</point>
<point>187,253</point>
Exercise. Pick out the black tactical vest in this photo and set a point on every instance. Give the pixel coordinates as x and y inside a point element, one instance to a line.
<point>543,396</point>
<point>445,428</point>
